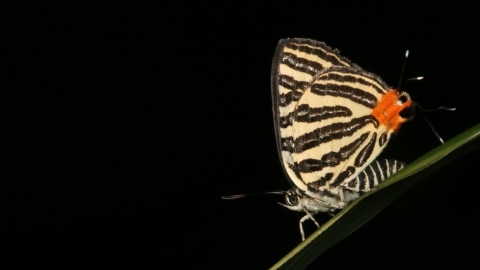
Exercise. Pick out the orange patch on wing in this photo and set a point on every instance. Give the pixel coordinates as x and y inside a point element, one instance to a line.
<point>387,111</point>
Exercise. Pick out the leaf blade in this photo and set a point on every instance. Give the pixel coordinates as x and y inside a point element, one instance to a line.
<point>367,206</point>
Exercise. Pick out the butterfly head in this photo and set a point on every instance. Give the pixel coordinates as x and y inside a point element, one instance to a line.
<point>393,109</point>
<point>409,112</point>
<point>293,201</point>
<point>296,200</point>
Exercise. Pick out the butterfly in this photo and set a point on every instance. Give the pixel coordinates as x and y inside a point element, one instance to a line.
<point>332,119</point>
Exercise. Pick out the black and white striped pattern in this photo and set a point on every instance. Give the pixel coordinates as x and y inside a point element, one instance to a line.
<point>327,136</point>
<point>374,174</point>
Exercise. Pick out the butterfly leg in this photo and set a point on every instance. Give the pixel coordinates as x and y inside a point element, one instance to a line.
<point>301,226</point>
<point>307,216</point>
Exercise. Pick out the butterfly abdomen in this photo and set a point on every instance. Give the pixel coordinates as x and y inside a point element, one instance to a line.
<point>374,174</point>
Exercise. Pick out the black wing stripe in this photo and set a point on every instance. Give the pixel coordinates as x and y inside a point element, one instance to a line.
<point>366,152</point>
<point>315,186</point>
<point>322,53</point>
<point>305,113</point>
<point>383,139</point>
<point>332,159</point>
<point>328,133</point>
<point>300,64</point>
<point>294,168</point>
<point>351,78</point>
<point>345,91</point>
<point>291,84</point>
<point>349,171</point>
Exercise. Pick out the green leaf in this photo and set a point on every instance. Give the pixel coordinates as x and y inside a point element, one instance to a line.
<point>367,206</point>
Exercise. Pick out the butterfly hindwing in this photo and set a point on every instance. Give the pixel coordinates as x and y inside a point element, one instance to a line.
<point>336,136</point>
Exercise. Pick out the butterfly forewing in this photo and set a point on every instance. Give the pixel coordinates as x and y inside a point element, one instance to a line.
<point>323,110</point>
<point>295,63</point>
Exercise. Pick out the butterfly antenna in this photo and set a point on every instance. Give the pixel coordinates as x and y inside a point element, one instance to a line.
<point>403,70</point>
<point>441,108</point>
<point>414,79</point>
<point>240,196</point>
<point>433,129</point>
<point>421,109</point>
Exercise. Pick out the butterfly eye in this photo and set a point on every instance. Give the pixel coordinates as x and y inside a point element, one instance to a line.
<point>404,97</point>
<point>291,199</point>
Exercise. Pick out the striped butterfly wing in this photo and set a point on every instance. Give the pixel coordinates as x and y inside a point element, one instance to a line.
<point>295,63</point>
<point>332,118</point>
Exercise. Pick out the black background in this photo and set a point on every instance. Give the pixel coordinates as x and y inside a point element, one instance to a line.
<point>126,123</point>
